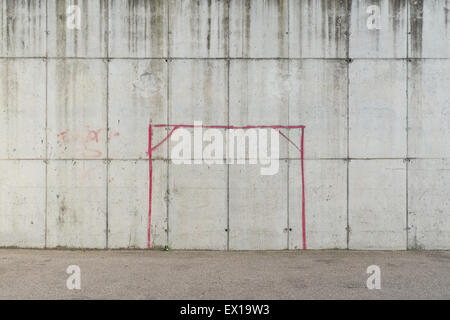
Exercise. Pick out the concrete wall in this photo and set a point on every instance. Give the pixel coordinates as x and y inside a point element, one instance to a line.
<point>75,105</point>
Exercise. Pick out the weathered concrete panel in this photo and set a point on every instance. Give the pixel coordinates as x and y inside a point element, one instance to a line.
<point>258,28</point>
<point>76,109</point>
<point>22,203</point>
<point>428,204</point>
<point>318,100</point>
<point>318,29</point>
<point>128,201</point>
<point>201,146</point>
<point>377,107</point>
<point>197,207</point>
<point>66,41</point>
<point>137,97</point>
<point>136,62</point>
<point>22,109</point>
<point>326,204</point>
<point>198,28</point>
<point>429,108</point>
<point>259,94</point>
<point>258,208</point>
<point>4,89</point>
<point>23,28</point>
<point>138,28</point>
<point>377,204</point>
<point>429,26</point>
<point>389,40</point>
<point>198,91</point>
<point>76,204</point>
<point>3,29</point>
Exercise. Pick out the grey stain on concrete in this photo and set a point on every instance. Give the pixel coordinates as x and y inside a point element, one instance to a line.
<point>416,21</point>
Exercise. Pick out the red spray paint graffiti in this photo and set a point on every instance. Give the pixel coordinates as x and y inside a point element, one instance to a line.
<point>84,141</point>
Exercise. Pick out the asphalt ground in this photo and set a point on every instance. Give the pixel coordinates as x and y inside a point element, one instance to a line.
<point>144,274</point>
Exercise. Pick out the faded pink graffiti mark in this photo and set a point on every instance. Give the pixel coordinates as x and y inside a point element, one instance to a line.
<point>85,141</point>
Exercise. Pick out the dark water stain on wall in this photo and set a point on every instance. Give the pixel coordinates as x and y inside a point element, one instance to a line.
<point>416,20</point>
<point>283,17</point>
<point>446,13</point>
<point>338,19</point>
<point>103,27</point>
<point>377,33</point>
<point>145,25</point>
<point>25,27</point>
<point>323,27</point>
<point>396,10</point>
<point>313,27</point>
<point>393,15</point>
<point>157,10</point>
<point>196,13</point>
<point>62,209</point>
<point>347,32</point>
<point>3,29</point>
<point>10,25</point>
<point>248,22</point>
<point>208,37</point>
<point>61,36</point>
<point>132,26</point>
<point>194,22</point>
<point>144,28</point>
<point>226,27</point>
<point>324,24</point>
<point>252,14</point>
